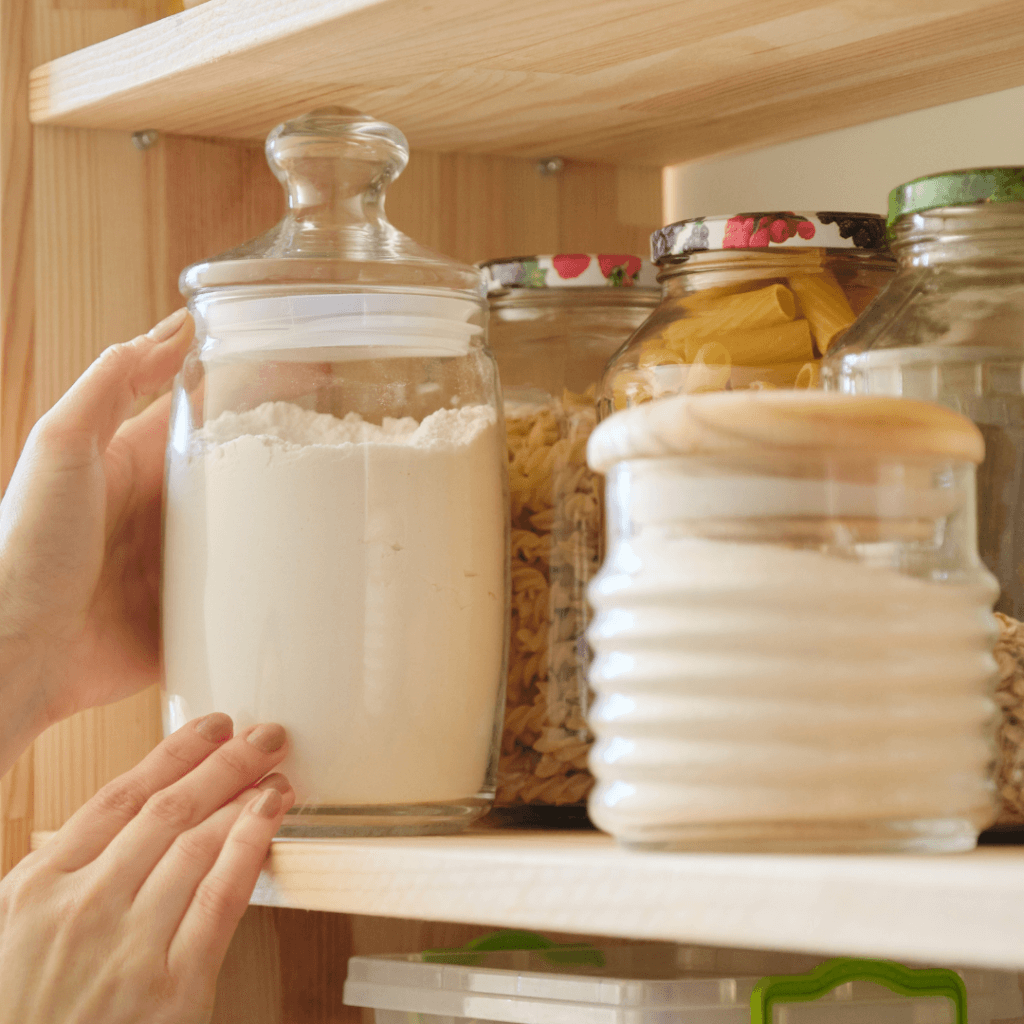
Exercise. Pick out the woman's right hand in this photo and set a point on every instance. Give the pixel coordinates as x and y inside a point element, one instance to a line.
<point>126,914</point>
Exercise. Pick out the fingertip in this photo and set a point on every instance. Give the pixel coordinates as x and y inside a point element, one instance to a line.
<point>268,738</point>
<point>276,781</point>
<point>167,328</point>
<point>268,805</point>
<point>215,728</point>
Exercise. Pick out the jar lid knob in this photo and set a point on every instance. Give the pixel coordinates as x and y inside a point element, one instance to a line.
<point>335,153</point>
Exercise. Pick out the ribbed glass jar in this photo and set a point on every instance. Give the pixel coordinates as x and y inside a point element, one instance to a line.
<point>793,633</point>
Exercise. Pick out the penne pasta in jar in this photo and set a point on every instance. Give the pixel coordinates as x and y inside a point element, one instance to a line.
<point>750,301</point>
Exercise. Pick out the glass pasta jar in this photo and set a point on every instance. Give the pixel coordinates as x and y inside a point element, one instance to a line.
<point>792,634</point>
<point>555,321</point>
<point>950,329</point>
<point>749,301</point>
<point>335,539</point>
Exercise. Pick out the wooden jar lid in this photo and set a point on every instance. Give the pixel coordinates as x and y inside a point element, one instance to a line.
<point>785,422</point>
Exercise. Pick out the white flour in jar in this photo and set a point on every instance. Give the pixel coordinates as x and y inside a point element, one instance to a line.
<point>347,580</point>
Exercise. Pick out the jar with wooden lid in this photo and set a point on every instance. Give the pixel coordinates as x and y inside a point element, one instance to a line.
<point>793,637</point>
<point>749,301</point>
<point>555,321</point>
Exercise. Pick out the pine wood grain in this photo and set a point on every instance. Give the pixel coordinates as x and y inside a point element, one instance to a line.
<point>16,812</point>
<point>17,302</point>
<point>17,297</point>
<point>965,909</point>
<point>649,82</point>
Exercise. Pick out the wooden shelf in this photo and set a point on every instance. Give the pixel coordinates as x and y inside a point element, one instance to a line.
<point>645,82</point>
<point>965,909</point>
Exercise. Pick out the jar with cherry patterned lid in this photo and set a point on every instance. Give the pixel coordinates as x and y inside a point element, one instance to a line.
<point>555,322</point>
<point>753,300</point>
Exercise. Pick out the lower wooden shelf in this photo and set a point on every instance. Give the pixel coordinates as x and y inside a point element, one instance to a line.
<point>965,909</point>
<point>956,910</point>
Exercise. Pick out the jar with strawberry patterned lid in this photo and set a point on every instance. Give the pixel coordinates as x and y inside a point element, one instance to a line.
<point>555,321</point>
<point>750,301</point>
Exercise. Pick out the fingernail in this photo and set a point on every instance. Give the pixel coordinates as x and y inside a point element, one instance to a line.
<point>216,727</point>
<point>166,328</point>
<point>268,738</point>
<point>276,781</point>
<point>268,805</point>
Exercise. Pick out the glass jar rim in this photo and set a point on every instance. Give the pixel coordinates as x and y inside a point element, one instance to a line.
<point>771,260</point>
<point>579,299</point>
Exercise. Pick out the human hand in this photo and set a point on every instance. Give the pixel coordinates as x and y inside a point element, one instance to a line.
<point>80,541</point>
<point>126,914</point>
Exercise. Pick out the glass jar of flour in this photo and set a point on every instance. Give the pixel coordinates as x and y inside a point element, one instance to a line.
<point>335,541</point>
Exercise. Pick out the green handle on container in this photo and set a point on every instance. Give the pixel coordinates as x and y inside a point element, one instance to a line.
<point>904,981</point>
<point>573,954</point>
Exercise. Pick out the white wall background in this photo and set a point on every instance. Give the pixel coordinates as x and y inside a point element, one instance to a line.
<point>854,168</point>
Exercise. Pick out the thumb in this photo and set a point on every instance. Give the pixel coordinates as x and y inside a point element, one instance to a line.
<point>85,419</point>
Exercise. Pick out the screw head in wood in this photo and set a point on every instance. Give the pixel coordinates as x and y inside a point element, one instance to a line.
<point>143,140</point>
<point>550,165</point>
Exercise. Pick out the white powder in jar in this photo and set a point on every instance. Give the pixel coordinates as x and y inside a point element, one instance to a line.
<point>745,684</point>
<point>347,580</point>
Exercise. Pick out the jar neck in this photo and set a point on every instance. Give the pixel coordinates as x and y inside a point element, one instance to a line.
<point>573,299</point>
<point>986,238</point>
<point>715,268</point>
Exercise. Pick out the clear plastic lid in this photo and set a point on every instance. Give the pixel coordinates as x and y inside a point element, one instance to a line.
<point>648,984</point>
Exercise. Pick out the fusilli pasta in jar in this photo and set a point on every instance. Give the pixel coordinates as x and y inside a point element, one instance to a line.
<point>555,322</point>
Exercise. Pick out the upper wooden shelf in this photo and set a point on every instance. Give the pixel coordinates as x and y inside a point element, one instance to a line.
<point>646,82</point>
<point>966,909</point>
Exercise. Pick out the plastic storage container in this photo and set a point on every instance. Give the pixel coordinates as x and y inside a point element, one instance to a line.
<point>650,984</point>
<point>750,301</point>
<point>792,628</point>
<point>555,321</point>
<point>950,329</point>
<point>337,512</point>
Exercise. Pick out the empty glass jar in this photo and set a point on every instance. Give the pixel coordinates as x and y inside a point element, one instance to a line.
<point>336,507</point>
<point>750,301</point>
<point>555,321</point>
<point>792,628</point>
<point>950,328</point>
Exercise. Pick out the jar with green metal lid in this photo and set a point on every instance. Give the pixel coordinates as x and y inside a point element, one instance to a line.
<point>950,329</point>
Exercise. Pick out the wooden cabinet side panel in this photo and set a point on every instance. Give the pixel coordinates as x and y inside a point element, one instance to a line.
<point>476,207</point>
<point>92,289</point>
<point>16,317</point>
